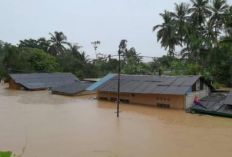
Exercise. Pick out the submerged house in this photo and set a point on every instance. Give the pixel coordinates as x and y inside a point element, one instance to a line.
<point>218,103</point>
<point>40,81</point>
<point>73,88</point>
<point>174,92</point>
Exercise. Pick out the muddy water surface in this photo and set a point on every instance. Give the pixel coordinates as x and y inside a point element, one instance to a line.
<point>58,126</point>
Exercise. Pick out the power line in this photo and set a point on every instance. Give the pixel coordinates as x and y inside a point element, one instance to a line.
<point>180,59</point>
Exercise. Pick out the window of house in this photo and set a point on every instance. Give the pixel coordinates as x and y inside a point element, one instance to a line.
<point>103,98</point>
<point>113,99</point>
<point>163,105</point>
<point>124,101</point>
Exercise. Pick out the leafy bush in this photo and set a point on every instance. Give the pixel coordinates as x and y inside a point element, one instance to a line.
<point>5,154</point>
<point>9,153</point>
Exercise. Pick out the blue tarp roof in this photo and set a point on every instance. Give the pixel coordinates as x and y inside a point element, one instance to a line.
<point>100,82</point>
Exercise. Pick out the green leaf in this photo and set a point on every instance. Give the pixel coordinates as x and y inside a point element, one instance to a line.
<point>5,154</point>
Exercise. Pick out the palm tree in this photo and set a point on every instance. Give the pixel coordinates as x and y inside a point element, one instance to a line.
<point>84,58</point>
<point>227,18</point>
<point>198,47</point>
<point>74,48</point>
<point>123,45</point>
<point>132,53</point>
<point>209,33</point>
<point>181,20</point>
<point>95,43</point>
<point>199,11</point>
<point>58,40</point>
<point>218,8</point>
<point>167,33</point>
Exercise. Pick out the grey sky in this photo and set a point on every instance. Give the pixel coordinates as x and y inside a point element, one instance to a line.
<point>84,21</point>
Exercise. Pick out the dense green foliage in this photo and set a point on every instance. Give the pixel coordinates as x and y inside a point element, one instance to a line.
<point>5,154</point>
<point>58,55</point>
<point>203,31</point>
<point>197,36</point>
<point>10,154</point>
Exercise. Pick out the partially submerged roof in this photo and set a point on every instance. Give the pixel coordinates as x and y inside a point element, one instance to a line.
<point>72,88</point>
<point>36,81</point>
<point>228,100</point>
<point>176,85</point>
<point>216,104</point>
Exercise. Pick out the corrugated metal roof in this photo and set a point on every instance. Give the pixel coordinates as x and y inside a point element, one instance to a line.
<point>212,102</point>
<point>228,100</point>
<point>103,80</point>
<point>180,80</point>
<point>182,90</point>
<point>151,87</point>
<point>177,85</point>
<point>190,81</point>
<point>72,88</point>
<point>140,88</point>
<point>170,90</point>
<point>130,86</point>
<point>215,102</point>
<point>36,81</point>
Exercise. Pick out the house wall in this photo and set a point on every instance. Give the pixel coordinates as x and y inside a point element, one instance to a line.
<point>200,94</point>
<point>14,85</point>
<point>78,94</point>
<point>175,101</point>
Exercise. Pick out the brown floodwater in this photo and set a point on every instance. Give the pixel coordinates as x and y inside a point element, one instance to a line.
<point>59,126</point>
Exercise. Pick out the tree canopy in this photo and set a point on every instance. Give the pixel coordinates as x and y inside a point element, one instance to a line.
<point>202,30</point>
<point>197,36</point>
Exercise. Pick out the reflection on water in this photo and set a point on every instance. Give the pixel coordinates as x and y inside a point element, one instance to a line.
<point>78,126</point>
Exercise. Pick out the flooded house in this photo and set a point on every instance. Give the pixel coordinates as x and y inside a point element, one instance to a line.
<point>217,103</point>
<point>73,89</point>
<point>40,81</point>
<point>76,88</point>
<point>164,91</point>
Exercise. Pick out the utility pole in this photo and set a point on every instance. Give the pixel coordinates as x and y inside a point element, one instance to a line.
<point>119,73</point>
<point>122,47</point>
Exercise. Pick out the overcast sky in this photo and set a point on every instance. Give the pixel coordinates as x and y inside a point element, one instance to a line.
<point>84,21</point>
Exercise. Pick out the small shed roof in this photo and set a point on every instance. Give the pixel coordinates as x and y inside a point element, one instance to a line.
<point>72,88</point>
<point>176,85</point>
<point>37,81</point>
<point>216,104</point>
